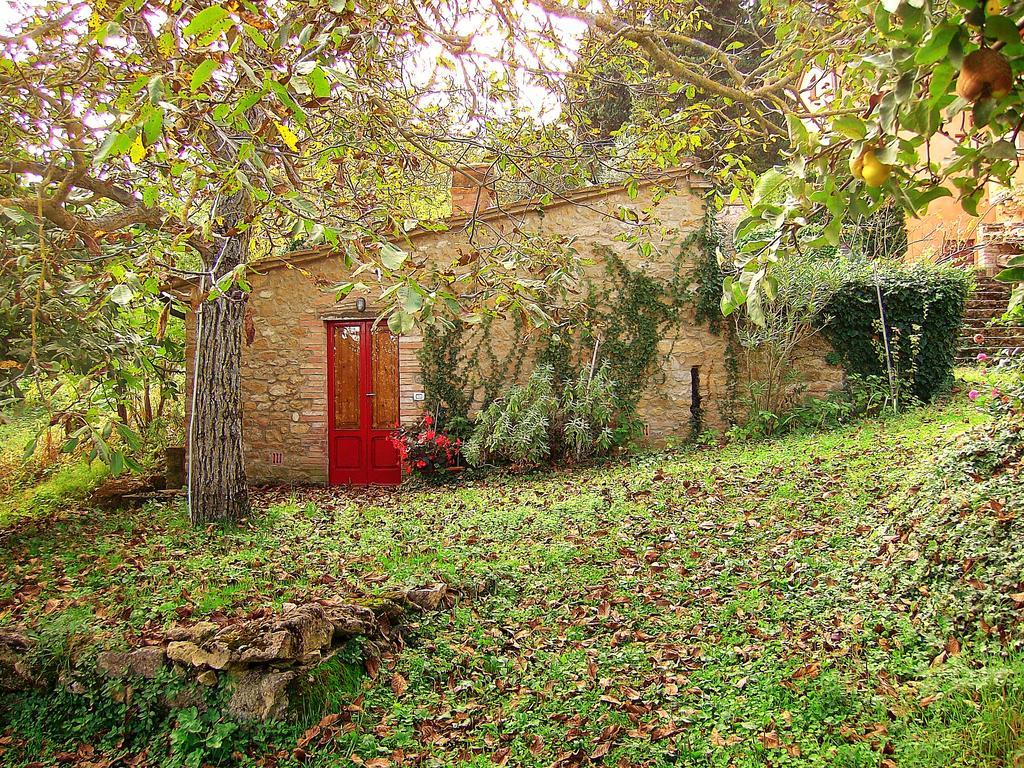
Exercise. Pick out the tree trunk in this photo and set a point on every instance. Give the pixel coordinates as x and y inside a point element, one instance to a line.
<point>217,490</point>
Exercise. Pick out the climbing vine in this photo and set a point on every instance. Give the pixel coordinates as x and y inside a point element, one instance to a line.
<point>708,274</point>
<point>620,322</point>
<point>460,361</point>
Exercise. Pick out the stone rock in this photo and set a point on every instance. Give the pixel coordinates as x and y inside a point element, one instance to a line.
<point>112,663</point>
<point>277,646</point>
<point>196,633</point>
<point>310,625</point>
<point>218,656</point>
<point>15,667</point>
<point>142,662</point>
<point>146,662</point>
<point>207,678</point>
<point>260,695</point>
<point>427,598</point>
<point>111,493</point>
<point>202,630</point>
<point>350,620</point>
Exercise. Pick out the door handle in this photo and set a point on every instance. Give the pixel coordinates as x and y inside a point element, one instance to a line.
<point>371,394</point>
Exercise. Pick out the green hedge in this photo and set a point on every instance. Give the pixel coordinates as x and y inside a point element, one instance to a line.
<point>924,308</point>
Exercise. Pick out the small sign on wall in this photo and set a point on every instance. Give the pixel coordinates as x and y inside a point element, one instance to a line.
<point>419,396</point>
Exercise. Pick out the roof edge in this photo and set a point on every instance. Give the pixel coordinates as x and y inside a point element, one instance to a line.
<point>306,255</point>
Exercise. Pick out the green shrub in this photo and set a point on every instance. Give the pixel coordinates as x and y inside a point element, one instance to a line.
<point>924,308</point>
<point>587,407</point>
<point>861,396</point>
<point>514,428</point>
<point>533,422</point>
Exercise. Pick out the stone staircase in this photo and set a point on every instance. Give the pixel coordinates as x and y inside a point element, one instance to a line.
<point>988,302</point>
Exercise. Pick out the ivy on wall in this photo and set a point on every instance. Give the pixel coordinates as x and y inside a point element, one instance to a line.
<point>458,361</point>
<point>924,308</point>
<point>621,321</point>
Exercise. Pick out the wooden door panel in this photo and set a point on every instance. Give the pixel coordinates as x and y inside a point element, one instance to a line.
<point>348,452</point>
<point>385,379</point>
<point>347,339</point>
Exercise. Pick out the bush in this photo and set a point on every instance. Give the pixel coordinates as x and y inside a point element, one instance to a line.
<point>585,416</point>
<point>532,423</point>
<point>862,396</point>
<point>515,427</point>
<point>427,450</point>
<point>961,527</point>
<point>924,308</point>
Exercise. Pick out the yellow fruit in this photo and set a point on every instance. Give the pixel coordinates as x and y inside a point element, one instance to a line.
<point>875,172</point>
<point>992,7</point>
<point>984,73</point>
<point>857,166</point>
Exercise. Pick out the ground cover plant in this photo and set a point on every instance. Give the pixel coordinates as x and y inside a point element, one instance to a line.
<point>49,480</point>
<point>728,607</point>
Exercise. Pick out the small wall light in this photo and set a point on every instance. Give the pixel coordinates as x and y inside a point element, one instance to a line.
<point>360,304</point>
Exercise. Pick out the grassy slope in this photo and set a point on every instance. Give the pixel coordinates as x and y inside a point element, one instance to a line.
<point>716,608</point>
<point>23,494</point>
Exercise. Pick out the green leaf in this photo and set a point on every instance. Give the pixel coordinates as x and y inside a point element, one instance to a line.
<point>798,133</point>
<point>942,77</point>
<point>400,323</point>
<point>121,294</point>
<point>204,21</point>
<point>1011,275</point>
<point>203,73</point>
<point>937,46</point>
<point>392,256</point>
<point>921,199</point>
<point>319,83</point>
<point>130,436</point>
<point>153,125</point>
<point>1001,28</point>
<point>412,300</point>
<point>970,202</point>
<point>983,111</point>
<point>851,127</point>
<point>1001,150</point>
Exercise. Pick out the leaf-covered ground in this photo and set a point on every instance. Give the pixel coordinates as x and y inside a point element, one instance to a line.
<point>710,608</point>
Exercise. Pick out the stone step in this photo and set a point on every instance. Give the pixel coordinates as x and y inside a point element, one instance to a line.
<point>981,312</point>
<point>994,331</point>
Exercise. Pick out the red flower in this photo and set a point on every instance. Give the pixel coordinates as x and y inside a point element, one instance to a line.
<point>428,419</point>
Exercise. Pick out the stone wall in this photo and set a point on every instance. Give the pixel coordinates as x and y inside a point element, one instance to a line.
<point>284,369</point>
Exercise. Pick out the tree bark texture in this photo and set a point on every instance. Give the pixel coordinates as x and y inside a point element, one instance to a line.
<point>216,474</point>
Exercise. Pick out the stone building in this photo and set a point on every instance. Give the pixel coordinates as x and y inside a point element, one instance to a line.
<point>324,386</point>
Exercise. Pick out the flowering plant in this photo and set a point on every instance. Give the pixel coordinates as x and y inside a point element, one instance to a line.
<point>427,451</point>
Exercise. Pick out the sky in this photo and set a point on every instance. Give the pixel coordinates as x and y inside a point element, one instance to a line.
<point>8,13</point>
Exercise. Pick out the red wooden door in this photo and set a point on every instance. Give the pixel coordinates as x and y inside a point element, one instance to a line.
<point>362,403</point>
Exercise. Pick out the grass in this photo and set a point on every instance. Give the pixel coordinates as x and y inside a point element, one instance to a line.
<point>707,608</point>
<point>48,483</point>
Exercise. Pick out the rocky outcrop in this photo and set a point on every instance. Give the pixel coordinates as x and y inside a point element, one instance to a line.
<point>142,662</point>
<point>257,658</point>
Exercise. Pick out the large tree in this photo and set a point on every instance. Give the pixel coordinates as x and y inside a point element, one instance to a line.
<point>178,124</point>
<point>207,134</point>
<point>859,92</point>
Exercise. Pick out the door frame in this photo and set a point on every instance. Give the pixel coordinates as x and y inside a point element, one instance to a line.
<point>366,363</point>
